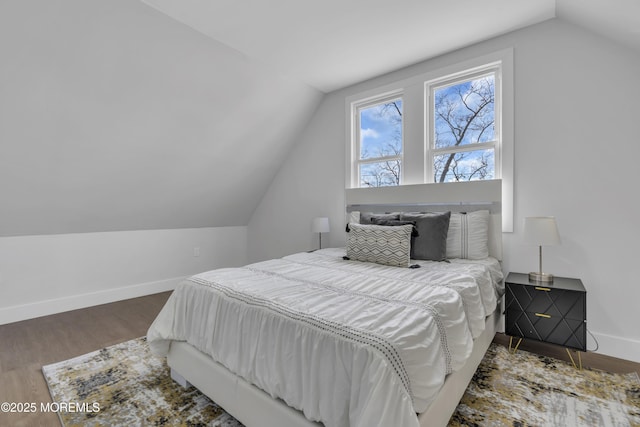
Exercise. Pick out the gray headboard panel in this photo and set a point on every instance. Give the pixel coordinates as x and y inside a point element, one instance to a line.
<point>454,197</point>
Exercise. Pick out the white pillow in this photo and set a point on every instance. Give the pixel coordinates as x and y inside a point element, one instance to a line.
<point>468,236</point>
<point>380,244</point>
<point>354,217</point>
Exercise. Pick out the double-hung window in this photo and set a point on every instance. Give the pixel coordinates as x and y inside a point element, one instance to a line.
<point>451,124</point>
<point>379,141</point>
<point>463,126</point>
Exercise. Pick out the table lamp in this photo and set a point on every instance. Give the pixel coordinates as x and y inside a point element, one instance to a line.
<point>320,225</point>
<point>541,231</point>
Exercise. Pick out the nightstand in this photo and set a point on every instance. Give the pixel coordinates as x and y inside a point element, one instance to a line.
<point>549,312</point>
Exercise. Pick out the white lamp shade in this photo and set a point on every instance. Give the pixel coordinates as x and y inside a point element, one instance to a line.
<point>541,231</point>
<point>320,225</point>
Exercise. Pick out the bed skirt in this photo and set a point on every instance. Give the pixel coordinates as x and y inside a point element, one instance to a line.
<point>255,408</point>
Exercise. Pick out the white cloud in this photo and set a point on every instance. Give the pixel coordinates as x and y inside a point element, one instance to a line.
<point>368,133</point>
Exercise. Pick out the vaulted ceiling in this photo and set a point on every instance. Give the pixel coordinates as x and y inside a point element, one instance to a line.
<point>121,115</point>
<point>114,116</point>
<point>334,43</point>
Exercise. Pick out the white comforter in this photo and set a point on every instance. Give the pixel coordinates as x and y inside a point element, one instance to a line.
<point>348,343</point>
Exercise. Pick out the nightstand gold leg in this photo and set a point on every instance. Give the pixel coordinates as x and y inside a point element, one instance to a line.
<point>580,359</point>
<point>579,366</point>
<point>516,347</point>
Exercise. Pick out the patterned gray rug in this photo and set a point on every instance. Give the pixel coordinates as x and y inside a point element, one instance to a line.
<point>130,387</point>
<point>525,389</point>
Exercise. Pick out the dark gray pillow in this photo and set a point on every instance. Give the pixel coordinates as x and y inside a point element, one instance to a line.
<point>395,223</point>
<point>367,217</point>
<point>431,243</point>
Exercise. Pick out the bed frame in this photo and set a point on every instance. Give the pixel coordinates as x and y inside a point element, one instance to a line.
<point>255,408</point>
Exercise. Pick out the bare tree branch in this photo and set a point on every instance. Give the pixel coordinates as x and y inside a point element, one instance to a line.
<point>466,109</point>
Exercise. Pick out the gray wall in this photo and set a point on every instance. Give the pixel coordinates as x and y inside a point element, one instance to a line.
<point>127,141</point>
<point>115,117</point>
<point>576,109</point>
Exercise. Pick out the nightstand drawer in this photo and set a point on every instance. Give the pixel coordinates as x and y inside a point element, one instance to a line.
<point>552,329</point>
<point>546,300</point>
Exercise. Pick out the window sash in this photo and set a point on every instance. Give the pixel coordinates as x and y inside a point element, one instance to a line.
<point>383,178</point>
<point>431,87</point>
<point>470,174</point>
<point>356,109</point>
<point>379,159</point>
<point>461,148</point>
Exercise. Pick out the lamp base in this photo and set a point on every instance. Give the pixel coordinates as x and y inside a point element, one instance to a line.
<point>541,277</point>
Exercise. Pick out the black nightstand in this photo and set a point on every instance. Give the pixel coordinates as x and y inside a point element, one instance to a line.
<point>550,312</point>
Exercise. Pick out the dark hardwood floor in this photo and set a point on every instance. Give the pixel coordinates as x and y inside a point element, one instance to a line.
<point>28,345</point>
<point>589,359</point>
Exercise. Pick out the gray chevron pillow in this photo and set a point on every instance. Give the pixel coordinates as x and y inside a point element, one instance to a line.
<point>380,244</point>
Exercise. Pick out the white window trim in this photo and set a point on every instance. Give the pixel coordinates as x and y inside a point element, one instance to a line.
<point>462,76</point>
<point>415,127</point>
<point>354,118</point>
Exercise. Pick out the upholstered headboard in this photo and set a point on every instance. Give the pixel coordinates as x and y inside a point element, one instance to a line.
<point>454,197</point>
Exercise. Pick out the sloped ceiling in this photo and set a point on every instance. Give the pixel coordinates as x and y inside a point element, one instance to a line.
<point>117,115</point>
<point>330,44</point>
<point>618,20</point>
<point>114,116</point>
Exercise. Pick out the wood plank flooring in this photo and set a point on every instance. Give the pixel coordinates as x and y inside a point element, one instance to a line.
<point>28,345</point>
<point>589,359</point>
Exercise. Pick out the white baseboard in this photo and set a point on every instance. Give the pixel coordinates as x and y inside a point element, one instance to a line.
<point>622,348</point>
<point>17,313</point>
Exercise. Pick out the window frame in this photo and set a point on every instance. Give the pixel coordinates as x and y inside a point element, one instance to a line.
<point>431,86</point>
<point>414,116</point>
<point>356,139</point>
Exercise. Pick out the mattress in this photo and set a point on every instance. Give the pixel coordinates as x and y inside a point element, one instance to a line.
<point>348,343</point>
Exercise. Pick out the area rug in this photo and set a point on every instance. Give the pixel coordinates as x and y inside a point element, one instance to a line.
<point>130,387</point>
<point>525,389</point>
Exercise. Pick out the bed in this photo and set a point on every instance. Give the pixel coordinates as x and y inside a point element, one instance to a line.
<point>344,341</point>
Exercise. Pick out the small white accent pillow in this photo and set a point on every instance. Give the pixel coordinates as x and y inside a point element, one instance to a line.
<point>380,244</point>
<point>468,236</point>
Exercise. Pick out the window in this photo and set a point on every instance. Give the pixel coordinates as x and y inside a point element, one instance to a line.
<point>454,123</point>
<point>379,142</point>
<point>463,137</point>
<point>459,138</point>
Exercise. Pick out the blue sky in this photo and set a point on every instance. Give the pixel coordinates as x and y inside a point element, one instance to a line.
<point>377,128</point>
<point>461,100</point>
<point>450,94</point>
<point>380,127</point>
